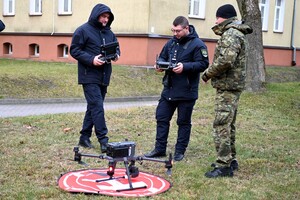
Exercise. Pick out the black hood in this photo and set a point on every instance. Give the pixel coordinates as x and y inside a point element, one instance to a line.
<point>96,12</point>
<point>193,34</point>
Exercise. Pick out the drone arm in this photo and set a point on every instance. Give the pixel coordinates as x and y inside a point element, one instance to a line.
<point>78,155</point>
<point>150,159</point>
<point>94,156</point>
<point>169,162</point>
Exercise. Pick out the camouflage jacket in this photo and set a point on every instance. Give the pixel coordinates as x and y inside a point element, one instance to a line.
<point>228,70</point>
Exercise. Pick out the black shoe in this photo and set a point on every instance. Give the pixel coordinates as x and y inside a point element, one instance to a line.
<point>103,147</point>
<point>178,156</point>
<point>155,153</point>
<point>220,172</point>
<point>85,144</point>
<point>234,165</point>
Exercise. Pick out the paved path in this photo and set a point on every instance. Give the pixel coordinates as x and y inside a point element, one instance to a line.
<point>19,108</point>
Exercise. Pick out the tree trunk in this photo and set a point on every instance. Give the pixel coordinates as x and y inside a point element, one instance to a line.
<point>256,71</point>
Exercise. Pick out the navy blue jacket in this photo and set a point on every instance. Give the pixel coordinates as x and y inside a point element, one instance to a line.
<point>2,26</point>
<point>86,43</point>
<point>192,53</point>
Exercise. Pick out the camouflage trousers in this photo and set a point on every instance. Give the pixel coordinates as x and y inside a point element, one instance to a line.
<point>226,104</point>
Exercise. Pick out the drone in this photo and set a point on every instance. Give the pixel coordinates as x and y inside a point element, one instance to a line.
<point>122,151</point>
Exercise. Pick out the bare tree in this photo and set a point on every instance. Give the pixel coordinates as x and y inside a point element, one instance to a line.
<point>256,71</point>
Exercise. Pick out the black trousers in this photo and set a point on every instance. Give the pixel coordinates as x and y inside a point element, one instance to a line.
<point>94,115</point>
<point>164,114</point>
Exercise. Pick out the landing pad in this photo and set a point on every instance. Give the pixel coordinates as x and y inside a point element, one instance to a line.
<point>94,181</point>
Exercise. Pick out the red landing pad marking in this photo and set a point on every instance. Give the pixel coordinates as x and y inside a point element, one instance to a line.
<point>84,181</point>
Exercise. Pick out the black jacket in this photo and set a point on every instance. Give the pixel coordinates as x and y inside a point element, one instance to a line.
<point>192,53</point>
<point>86,43</point>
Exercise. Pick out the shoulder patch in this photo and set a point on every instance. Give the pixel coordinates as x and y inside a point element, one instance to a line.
<point>204,53</point>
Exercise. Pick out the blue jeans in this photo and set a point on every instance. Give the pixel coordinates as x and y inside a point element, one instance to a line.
<point>94,115</point>
<point>164,113</point>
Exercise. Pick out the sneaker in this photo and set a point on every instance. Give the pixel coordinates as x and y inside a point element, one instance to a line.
<point>85,144</point>
<point>234,165</point>
<point>155,153</point>
<point>220,172</point>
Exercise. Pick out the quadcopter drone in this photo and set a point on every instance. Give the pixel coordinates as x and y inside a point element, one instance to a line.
<point>122,151</point>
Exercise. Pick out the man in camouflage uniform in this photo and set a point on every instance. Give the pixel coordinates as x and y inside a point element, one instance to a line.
<point>227,74</point>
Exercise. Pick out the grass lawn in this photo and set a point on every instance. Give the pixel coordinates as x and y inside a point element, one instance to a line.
<point>35,150</point>
<point>27,79</point>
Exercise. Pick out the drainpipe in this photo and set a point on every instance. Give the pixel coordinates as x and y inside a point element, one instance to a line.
<point>293,35</point>
<point>53,20</point>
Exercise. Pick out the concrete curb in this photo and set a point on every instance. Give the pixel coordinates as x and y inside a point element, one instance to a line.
<point>73,100</point>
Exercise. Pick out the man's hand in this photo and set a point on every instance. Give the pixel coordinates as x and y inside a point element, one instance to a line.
<point>116,58</point>
<point>204,78</point>
<point>157,69</point>
<point>97,61</point>
<point>178,69</point>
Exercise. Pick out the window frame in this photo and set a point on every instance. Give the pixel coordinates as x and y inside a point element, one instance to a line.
<point>36,50</point>
<point>65,51</point>
<point>201,9</point>
<point>9,7</point>
<point>33,4</point>
<point>61,7</point>
<point>264,10</point>
<point>10,49</point>
<point>279,16</point>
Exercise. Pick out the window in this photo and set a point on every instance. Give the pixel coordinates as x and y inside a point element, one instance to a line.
<point>8,7</point>
<point>34,50</point>
<point>63,51</point>
<point>7,48</point>
<point>197,8</point>
<point>264,9</point>
<point>279,16</point>
<point>64,7</point>
<point>35,7</point>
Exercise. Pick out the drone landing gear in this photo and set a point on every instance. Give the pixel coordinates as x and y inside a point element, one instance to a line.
<point>131,171</point>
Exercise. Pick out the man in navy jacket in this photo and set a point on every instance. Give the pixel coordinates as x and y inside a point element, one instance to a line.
<point>2,26</point>
<point>189,56</point>
<point>93,72</point>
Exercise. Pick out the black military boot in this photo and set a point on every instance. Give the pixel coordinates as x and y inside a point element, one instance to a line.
<point>235,165</point>
<point>220,172</point>
<point>85,144</point>
<point>155,153</point>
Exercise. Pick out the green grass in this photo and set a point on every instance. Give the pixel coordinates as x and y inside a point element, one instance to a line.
<point>28,79</point>
<point>35,150</point>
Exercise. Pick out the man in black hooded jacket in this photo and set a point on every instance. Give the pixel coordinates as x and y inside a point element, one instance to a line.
<point>94,73</point>
<point>189,55</point>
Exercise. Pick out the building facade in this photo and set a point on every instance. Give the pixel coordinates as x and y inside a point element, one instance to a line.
<point>42,29</point>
